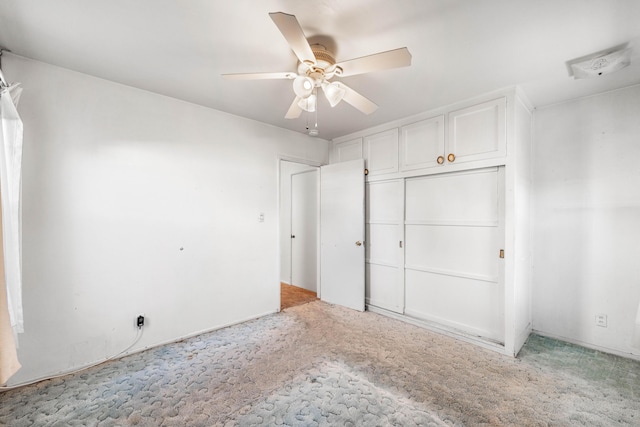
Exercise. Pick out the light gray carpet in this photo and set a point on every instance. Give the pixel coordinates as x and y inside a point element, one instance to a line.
<point>318,364</point>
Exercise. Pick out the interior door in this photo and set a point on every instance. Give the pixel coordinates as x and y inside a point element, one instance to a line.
<point>304,230</point>
<point>342,234</point>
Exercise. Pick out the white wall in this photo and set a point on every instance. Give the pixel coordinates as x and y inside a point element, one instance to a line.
<point>587,219</point>
<point>138,203</point>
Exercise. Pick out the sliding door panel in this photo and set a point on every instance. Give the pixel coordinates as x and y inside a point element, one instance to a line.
<point>382,289</point>
<point>472,306</point>
<point>454,233</point>
<point>454,198</point>
<point>384,278</point>
<point>458,249</point>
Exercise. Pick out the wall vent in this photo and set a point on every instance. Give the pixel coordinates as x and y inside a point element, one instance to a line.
<point>600,63</point>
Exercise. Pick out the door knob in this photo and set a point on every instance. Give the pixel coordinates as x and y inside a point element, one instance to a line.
<point>358,243</point>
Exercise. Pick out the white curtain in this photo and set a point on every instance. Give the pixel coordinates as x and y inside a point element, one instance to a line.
<point>10,182</point>
<point>11,320</point>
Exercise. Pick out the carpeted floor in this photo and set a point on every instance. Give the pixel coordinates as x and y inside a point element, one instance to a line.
<point>317,364</point>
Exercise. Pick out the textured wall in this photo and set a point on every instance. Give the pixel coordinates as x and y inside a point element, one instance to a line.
<point>587,219</point>
<point>139,203</point>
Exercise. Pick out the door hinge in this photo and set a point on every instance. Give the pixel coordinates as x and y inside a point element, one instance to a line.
<point>501,253</point>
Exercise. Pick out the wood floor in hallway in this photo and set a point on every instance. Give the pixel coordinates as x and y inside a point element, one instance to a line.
<point>291,296</point>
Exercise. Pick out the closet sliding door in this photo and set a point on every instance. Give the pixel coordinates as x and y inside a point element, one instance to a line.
<point>383,259</point>
<point>454,231</point>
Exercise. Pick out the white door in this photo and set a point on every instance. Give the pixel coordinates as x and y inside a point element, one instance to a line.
<point>342,234</point>
<point>453,233</point>
<point>384,247</point>
<point>304,230</point>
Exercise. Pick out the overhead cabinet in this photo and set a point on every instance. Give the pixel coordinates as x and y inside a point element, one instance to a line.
<point>442,194</point>
<point>381,152</point>
<point>476,132</point>
<point>422,144</point>
<point>347,150</point>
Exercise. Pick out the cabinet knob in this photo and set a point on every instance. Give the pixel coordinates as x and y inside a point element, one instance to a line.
<point>451,157</point>
<point>440,160</point>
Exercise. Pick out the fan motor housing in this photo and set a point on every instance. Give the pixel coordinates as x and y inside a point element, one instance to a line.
<point>324,68</point>
<point>324,58</point>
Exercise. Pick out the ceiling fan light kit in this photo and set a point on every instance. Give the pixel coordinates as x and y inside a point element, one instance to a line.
<point>334,92</point>
<point>309,103</point>
<point>317,66</point>
<point>303,86</point>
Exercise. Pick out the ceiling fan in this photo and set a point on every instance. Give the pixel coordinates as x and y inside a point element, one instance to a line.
<point>318,66</point>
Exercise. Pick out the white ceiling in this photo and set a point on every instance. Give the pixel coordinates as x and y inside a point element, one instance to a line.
<point>460,49</point>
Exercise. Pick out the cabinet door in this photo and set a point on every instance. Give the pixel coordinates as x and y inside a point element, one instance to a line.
<point>478,132</point>
<point>421,144</point>
<point>381,152</point>
<point>383,256</point>
<point>347,150</point>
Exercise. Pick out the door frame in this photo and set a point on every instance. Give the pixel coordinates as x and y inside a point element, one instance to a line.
<point>280,177</point>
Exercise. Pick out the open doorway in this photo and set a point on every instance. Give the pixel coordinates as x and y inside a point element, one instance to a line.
<point>299,231</point>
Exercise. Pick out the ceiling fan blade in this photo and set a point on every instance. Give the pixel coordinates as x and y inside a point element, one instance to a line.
<point>294,111</point>
<point>260,76</point>
<point>378,61</point>
<point>292,32</point>
<point>358,101</point>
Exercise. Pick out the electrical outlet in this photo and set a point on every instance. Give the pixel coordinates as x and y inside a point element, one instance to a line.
<point>601,320</point>
<point>140,321</point>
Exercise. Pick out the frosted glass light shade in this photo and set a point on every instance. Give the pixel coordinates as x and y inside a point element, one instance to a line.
<point>334,92</point>
<point>303,86</point>
<point>308,103</point>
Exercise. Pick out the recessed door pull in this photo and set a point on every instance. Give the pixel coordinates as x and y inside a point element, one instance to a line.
<point>401,243</point>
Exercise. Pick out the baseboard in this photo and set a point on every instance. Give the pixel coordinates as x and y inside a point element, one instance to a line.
<point>204,331</point>
<point>627,355</point>
<point>131,352</point>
